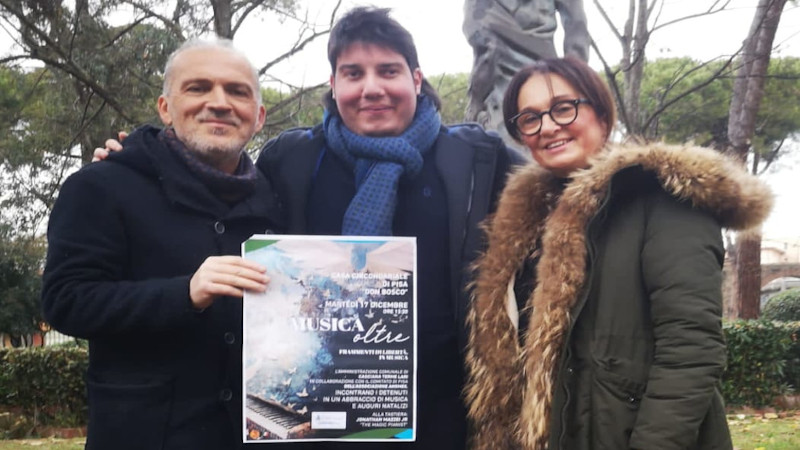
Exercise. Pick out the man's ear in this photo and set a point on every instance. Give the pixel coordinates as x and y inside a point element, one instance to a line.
<point>163,110</point>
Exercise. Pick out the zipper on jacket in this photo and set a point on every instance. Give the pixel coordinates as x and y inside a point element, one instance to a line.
<point>459,308</point>
<point>590,256</point>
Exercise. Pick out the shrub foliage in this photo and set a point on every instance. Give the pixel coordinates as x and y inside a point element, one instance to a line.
<point>791,373</point>
<point>783,306</point>
<point>46,384</point>
<point>757,353</point>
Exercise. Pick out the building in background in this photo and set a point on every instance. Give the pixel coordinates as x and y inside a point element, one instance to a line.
<point>780,250</point>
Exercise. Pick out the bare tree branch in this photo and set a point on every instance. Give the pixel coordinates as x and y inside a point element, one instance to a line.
<point>8,59</point>
<point>622,113</point>
<point>125,30</point>
<point>770,157</point>
<point>697,87</point>
<point>608,21</point>
<point>251,6</point>
<point>169,23</point>
<point>291,99</point>
<point>710,11</point>
<point>302,42</point>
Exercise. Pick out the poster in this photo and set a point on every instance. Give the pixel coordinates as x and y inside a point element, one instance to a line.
<point>330,348</point>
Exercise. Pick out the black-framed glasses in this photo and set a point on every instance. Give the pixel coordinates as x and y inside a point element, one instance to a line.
<point>563,112</point>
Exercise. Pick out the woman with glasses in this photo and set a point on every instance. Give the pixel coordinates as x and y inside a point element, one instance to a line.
<point>596,313</point>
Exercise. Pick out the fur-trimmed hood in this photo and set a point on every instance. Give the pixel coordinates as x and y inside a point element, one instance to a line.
<point>533,208</point>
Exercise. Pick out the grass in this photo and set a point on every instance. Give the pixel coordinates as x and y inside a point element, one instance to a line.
<point>44,444</point>
<point>749,431</point>
<point>765,432</point>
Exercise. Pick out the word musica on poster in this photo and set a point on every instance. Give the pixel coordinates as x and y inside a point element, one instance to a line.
<point>329,349</point>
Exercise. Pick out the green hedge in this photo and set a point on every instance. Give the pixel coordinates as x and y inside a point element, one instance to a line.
<point>791,372</point>
<point>783,306</point>
<point>760,365</point>
<point>45,384</point>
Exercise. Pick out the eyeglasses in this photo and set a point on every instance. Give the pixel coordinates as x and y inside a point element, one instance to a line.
<point>563,113</point>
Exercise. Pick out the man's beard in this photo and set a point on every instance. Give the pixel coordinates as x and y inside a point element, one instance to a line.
<point>213,154</point>
<point>216,154</point>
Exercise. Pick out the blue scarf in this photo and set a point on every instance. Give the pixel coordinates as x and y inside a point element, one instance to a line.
<point>378,163</point>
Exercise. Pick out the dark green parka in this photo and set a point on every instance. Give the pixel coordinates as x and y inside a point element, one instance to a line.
<point>624,346</point>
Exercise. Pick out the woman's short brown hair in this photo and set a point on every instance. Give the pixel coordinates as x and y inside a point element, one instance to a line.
<point>575,72</point>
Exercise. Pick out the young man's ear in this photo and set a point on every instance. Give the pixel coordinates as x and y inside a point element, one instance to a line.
<point>262,117</point>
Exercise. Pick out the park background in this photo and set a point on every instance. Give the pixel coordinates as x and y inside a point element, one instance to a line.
<point>70,80</point>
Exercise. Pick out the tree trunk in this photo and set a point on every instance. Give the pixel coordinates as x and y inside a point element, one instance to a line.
<point>223,18</point>
<point>748,272</point>
<point>634,61</point>
<point>748,90</point>
<point>730,281</point>
<point>626,40</point>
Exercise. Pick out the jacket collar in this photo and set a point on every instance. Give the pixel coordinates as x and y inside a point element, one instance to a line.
<point>145,153</point>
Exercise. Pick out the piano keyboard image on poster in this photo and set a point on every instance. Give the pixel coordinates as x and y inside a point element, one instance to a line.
<point>270,420</point>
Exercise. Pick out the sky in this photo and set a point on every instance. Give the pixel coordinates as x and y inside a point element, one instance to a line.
<point>436,28</point>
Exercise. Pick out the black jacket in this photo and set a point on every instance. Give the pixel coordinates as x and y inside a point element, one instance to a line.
<point>472,164</point>
<point>125,236</point>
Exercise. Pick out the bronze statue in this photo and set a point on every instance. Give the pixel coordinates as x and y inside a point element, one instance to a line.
<point>507,35</point>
